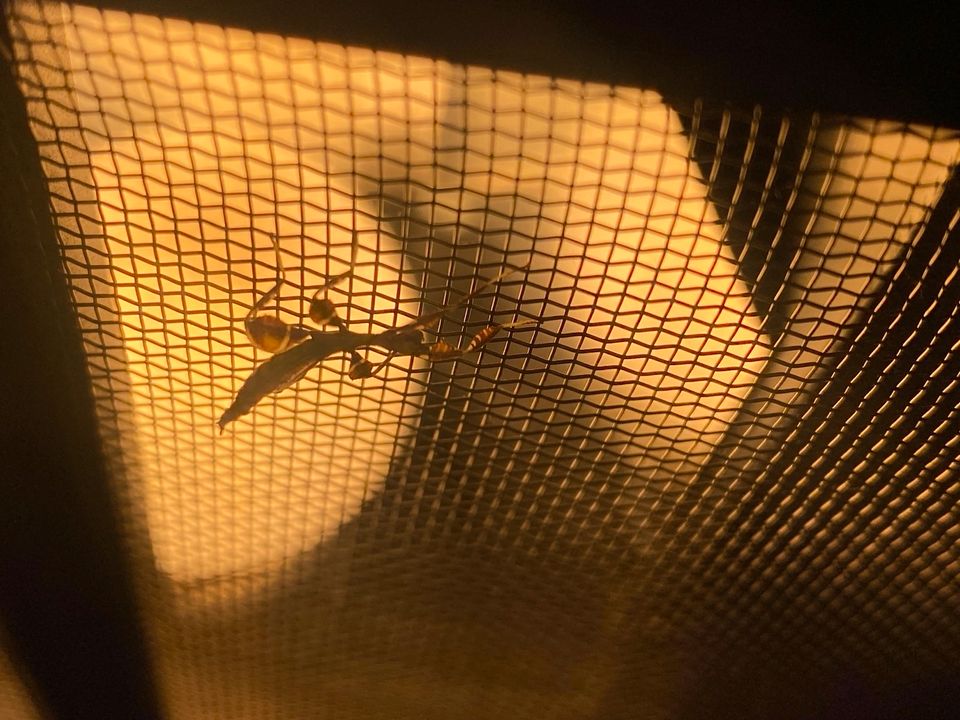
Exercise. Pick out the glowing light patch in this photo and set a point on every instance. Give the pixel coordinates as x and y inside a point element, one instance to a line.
<point>196,157</point>
<point>202,141</point>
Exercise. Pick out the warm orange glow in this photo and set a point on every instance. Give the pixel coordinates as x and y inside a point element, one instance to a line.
<point>203,141</point>
<point>15,701</point>
<point>669,338</point>
<point>425,538</point>
<point>190,129</point>
<point>176,154</point>
<point>883,178</point>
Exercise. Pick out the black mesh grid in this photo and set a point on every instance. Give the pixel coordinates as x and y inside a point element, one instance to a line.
<point>718,478</point>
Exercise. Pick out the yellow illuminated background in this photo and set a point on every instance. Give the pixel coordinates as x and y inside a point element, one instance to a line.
<point>202,141</point>
<point>182,148</point>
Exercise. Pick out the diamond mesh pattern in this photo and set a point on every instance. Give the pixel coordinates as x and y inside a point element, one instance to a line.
<point>725,458</point>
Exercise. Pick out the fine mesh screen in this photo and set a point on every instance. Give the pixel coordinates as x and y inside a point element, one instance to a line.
<point>723,457</point>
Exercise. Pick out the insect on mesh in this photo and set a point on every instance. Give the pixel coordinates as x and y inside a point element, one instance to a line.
<point>726,448</point>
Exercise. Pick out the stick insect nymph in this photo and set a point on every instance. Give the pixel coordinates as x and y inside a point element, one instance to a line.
<point>297,348</point>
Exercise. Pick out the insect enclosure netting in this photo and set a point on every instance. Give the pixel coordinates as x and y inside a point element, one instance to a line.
<point>733,413</point>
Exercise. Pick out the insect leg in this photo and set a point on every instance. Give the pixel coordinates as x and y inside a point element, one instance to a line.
<point>322,309</point>
<point>324,312</point>
<point>360,368</point>
<point>269,332</point>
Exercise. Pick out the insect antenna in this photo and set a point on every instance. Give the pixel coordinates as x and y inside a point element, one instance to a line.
<point>267,331</point>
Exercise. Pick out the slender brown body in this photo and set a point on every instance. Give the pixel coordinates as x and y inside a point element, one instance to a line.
<point>298,349</point>
<point>284,369</point>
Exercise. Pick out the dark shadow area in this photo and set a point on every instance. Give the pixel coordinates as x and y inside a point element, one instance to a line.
<point>66,599</point>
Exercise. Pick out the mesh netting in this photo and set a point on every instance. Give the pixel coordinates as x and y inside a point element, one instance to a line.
<point>724,456</point>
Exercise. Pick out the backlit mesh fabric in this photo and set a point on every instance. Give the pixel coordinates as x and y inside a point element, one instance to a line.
<point>725,452</point>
